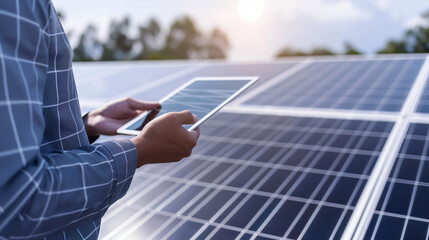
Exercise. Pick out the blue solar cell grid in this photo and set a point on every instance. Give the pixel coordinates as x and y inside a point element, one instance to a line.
<point>255,175</point>
<point>402,212</point>
<point>423,106</point>
<point>377,85</point>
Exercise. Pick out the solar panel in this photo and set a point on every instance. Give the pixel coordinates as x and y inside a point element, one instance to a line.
<point>130,78</point>
<point>423,106</point>
<point>259,171</point>
<point>374,85</point>
<point>402,211</point>
<point>310,152</point>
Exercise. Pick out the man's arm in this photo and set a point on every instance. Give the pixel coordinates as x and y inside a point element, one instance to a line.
<point>41,193</point>
<point>44,193</point>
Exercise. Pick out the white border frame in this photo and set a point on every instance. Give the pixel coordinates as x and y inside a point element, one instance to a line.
<point>253,79</point>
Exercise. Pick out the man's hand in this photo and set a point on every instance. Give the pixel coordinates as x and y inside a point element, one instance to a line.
<point>165,140</point>
<point>107,119</point>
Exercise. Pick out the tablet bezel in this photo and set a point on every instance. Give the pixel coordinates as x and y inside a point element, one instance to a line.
<point>253,79</point>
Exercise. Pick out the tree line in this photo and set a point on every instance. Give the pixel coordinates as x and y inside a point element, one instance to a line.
<point>414,40</point>
<point>182,40</point>
<point>318,51</point>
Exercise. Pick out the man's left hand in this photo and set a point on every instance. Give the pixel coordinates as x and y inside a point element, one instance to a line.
<point>107,119</point>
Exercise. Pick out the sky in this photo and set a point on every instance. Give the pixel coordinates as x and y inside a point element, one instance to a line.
<point>258,29</point>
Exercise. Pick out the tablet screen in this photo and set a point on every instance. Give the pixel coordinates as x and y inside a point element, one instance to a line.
<point>201,97</point>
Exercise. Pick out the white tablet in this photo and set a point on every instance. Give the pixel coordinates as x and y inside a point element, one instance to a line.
<point>201,96</point>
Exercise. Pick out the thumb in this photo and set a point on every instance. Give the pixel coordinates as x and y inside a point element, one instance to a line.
<point>195,134</point>
<point>185,117</point>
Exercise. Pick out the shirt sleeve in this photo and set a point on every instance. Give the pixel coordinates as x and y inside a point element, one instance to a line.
<point>41,193</point>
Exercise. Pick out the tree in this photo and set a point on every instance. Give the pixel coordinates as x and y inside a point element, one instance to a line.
<point>320,51</point>
<point>394,47</point>
<point>290,52</point>
<point>119,44</point>
<point>415,40</point>
<point>184,40</point>
<point>148,38</point>
<point>89,48</point>
<point>350,49</point>
<point>217,44</point>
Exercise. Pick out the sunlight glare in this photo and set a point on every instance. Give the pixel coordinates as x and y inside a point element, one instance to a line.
<point>250,10</point>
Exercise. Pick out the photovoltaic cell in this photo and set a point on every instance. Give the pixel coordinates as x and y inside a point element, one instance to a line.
<point>374,85</point>
<point>254,176</point>
<point>402,212</point>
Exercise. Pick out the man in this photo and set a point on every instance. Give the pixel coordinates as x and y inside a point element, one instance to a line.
<point>53,183</point>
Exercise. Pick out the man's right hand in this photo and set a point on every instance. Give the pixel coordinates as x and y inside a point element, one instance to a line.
<point>165,140</point>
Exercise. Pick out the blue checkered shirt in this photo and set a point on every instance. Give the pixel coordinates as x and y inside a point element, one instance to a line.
<point>53,183</point>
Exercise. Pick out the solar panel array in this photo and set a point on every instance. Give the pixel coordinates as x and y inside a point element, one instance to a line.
<point>319,148</point>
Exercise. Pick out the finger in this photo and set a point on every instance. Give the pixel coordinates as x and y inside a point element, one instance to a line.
<point>185,117</point>
<point>127,115</point>
<point>131,116</point>
<point>195,134</point>
<point>140,105</point>
<point>138,112</point>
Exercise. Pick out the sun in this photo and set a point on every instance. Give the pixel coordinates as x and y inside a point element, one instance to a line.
<point>250,10</point>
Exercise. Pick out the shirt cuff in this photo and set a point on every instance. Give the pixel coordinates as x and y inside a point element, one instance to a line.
<point>125,160</point>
